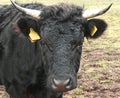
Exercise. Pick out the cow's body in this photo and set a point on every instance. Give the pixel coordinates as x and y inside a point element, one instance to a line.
<point>48,67</point>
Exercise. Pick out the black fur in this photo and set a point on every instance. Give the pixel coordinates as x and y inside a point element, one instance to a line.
<point>27,69</point>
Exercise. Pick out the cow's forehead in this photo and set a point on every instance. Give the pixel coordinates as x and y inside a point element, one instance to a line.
<point>62,33</point>
<point>61,12</point>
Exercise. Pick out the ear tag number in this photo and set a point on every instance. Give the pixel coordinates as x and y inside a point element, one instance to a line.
<point>94,29</point>
<point>34,36</point>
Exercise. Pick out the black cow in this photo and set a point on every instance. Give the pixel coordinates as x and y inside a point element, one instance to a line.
<point>40,49</point>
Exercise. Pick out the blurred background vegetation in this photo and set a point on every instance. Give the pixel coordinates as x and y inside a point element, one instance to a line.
<point>104,52</point>
<point>112,16</point>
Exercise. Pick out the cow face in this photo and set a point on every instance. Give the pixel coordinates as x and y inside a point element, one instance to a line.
<point>61,44</point>
<point>62,50</point>
<point>61,47</point>
<point>61,30</point>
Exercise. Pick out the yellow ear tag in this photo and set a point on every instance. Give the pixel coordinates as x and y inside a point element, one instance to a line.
<point>94,29</point>
<point>33,36</point>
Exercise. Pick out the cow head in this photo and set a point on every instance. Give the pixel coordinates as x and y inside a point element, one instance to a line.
<point>61,31</point>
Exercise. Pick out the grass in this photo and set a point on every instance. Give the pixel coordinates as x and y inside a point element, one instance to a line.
<point>111,40</point>
<point>94,62</point>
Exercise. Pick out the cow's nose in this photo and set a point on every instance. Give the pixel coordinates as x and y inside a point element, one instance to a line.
<point>61,85</point>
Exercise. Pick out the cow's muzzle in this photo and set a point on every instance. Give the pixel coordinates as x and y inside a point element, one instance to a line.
<point>62,85</point>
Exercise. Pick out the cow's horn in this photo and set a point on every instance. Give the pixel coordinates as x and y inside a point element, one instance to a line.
<point>31,12</point>
<point>95,12</point>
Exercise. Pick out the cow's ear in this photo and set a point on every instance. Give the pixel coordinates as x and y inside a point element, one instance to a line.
<point>30,28</point>
<point>95,28</point>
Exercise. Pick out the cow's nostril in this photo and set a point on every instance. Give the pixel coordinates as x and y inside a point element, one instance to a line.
<point>61,85</point>
<point>61,82</point>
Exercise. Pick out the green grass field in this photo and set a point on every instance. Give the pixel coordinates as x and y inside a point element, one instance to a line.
<point>99,76</point>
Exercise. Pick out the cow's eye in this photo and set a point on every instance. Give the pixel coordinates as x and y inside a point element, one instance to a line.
<point>73,42</point>
<point>79,48</point>
<point>49,47</point>
<point>45,44</point>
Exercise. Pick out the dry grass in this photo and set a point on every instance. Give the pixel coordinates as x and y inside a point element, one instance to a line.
<point>100,65</point>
